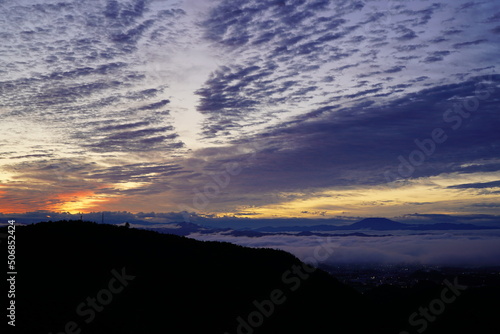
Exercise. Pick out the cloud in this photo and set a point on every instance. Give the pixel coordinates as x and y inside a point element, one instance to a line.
<point>437,248</point>
<point>330,146</point>
<point>468,5</point>
<point>433,249</point>
<point>486,205</point>
<point>232,104</point>
<point>475,219</point>
<point>455,248</point>
<point>395,69</point>
<point>494,18</point>
<point>363,92</point>
<point>86,103</point>
<point>78,46</point>
<point>406,34</point>
<point>423,16</point>
<point>125,140</point>
<point>464,44</point>
<point>436,56</point>
<point>140,172</point>
<point>320,87</point>
<point>123,126</point>
<point>232,94</point>
<point>493,184</point>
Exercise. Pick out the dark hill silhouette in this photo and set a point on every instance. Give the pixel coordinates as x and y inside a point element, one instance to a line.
<point>180,286</point>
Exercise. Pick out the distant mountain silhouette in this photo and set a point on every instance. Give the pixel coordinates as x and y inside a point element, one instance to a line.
<point>175,285</point>
<point>378,224</point>
<point>375,224</point>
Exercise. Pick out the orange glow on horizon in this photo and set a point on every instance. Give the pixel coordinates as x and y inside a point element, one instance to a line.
<point>13,208</point>
<point>10,206</point>
<point>80,201</point>
<point>73,202</point>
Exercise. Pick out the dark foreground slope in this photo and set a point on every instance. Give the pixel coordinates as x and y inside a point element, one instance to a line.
<point>79,277</point>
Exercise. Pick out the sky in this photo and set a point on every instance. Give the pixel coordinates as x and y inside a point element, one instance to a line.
<point>250,109</point>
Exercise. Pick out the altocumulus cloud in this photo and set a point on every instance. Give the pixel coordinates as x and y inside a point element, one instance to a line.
<point>336,143</point>
<point>320,87</point>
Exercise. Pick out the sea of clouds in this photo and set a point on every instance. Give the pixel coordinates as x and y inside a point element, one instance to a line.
<point>450,248</point>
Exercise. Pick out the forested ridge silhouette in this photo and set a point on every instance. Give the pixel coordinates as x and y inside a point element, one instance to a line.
<point>181,285</point>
